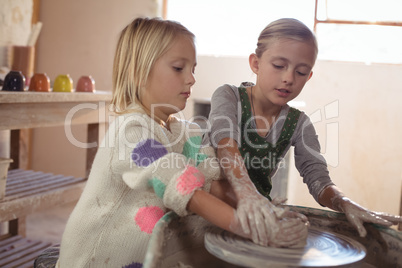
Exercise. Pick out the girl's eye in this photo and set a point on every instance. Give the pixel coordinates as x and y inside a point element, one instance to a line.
<point>178,69</point>
<point>277,66</point>
<point>302,74</point>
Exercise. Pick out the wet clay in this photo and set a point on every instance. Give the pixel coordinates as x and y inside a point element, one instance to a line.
<point>324,249</point>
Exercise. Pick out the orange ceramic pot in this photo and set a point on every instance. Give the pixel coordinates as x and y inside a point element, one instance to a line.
<point>40,82</point>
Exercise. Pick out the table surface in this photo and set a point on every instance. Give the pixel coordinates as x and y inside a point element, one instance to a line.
<point>43,97</point>
<point>21,110</point>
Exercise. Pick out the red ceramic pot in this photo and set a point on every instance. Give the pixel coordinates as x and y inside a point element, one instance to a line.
<point>85,84</point>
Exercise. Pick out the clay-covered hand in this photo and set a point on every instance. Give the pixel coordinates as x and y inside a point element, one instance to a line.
<point>285,232</point>
<point>267,224</point>
<point>357,215</point>
<point>256,216</point>
<point>292,233</point>
<point>279,202</point>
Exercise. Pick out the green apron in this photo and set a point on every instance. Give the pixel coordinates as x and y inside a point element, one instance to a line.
<point>261,157</point>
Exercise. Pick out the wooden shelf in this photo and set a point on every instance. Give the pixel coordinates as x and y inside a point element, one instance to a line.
<point>41,97</point>
<point>21,110</point>
<point>20,252</point>
<point>28,191</point>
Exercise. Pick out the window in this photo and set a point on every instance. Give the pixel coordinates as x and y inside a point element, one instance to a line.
<point>231,27</point>
<point>347,30</point>
<point>359,30</point>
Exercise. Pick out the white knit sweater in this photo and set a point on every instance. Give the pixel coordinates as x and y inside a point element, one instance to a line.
<point>140,172</point>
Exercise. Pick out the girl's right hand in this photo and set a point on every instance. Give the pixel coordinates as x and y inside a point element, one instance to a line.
<point>267,224</point>
<point>292,233</point>
<point>274,231</point>
<point>256,216</point>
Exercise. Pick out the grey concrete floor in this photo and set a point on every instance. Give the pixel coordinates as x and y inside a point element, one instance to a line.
<point>48,225</point>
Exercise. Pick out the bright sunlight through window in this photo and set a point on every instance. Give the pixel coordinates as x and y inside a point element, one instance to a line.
<point>231,27</point>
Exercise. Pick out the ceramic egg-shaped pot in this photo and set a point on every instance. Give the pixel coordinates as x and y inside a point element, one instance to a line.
<point>39,82</point>
<point>85,84</point>
<point>14,81</point>
<point>63,83</point>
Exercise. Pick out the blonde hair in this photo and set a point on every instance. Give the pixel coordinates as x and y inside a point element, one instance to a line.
<point>285,28</point>
<point>140,45</point>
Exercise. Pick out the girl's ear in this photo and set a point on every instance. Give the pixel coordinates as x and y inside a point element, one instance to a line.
<point>311,74</point>
<point>253,61</point>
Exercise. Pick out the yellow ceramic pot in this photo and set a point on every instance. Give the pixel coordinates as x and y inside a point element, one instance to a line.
<point>63,83</point>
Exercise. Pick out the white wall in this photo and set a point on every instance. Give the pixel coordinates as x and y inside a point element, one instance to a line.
<point>360,121</point>
<point>369,149</point>
<point>79,37</point>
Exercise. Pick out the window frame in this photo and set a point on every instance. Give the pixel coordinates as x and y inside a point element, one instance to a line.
<point>317,21</point>
<point>356,22</point>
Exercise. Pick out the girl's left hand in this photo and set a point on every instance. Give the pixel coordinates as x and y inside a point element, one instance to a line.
<point>357,215</point>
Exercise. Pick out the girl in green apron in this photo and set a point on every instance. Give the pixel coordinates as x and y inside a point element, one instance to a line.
<point>252,128</point>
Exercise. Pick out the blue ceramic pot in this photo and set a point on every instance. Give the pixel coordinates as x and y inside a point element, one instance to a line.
<point>14,81</point>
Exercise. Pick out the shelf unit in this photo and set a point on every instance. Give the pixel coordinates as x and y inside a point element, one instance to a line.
<point>29,191</point>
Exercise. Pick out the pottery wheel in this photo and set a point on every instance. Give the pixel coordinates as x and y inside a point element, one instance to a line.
<point>323,249</point>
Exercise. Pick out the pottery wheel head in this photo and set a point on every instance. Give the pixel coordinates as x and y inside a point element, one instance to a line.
<point>323,249</point>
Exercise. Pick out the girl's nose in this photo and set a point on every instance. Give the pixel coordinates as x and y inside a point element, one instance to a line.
<point>191,79</point>
<point>288,77</point>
